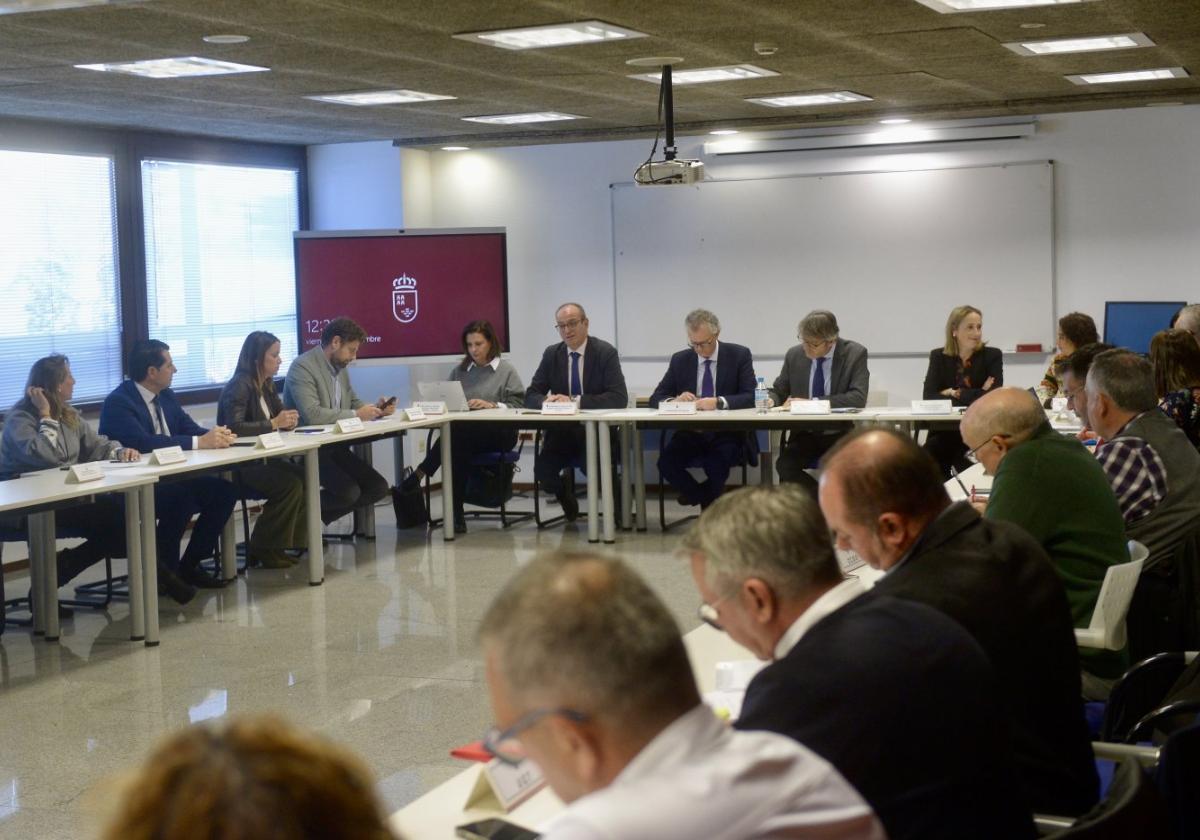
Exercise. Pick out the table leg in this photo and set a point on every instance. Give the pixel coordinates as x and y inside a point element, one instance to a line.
<point>593,485</point>
<point>312,497</point>
<point>364,517</point>
<point>398,457</point>
<point>229,544</point>
<point>626,495</point>
<point>133,554</point>
<point>37,606</point>
<point>766,460</point>
<point>447,485</point>
<point>606,481</point>
<point>639,469</point>
<point>50,575</point>
<point>149,566</point>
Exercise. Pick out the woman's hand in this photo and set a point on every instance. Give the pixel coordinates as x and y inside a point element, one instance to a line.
<point>286,419</point>
<point>38,397</point>
<point>127,454</point>
<point>475,405</point>
<point>988,383</point>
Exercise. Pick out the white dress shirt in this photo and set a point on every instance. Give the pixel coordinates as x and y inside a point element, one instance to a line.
<point>831,601</point>
<point>582,351</point>
<point>826,367</point>
<point>701,779</point>
<point>159,420</point>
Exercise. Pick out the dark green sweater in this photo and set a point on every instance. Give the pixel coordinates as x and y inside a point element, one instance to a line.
<point>1056,490</point>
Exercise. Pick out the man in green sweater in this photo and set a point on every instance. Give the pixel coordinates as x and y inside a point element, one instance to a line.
<point>1051,486</point>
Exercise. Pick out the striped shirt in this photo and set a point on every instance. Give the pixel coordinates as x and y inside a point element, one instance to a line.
<point>1136,473</point>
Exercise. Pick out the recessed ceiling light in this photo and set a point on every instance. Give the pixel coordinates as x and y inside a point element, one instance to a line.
<point>225,39</point>
<point>552,35</point>
<point>379,97</point>
<point>952,6</point>
<point>1033,26</point>
<point>517,119</point>
<point>12,7</point>
<point>895,121</point>
<point>723,131</point>
<point>1129,76</point>
<point>701,75</point>
<point>1057,46</point>
<point>1162,104</point>
<point>171,68</point>
<point>456,148</point>
<point>801,100</point>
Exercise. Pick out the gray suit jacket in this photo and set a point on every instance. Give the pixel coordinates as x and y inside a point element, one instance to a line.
<point>848,378</point>
<point>309,389</point>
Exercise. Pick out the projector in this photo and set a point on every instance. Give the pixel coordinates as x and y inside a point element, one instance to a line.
<point>664,173</point>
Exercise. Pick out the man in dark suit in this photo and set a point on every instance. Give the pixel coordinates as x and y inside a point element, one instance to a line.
<point>144,414</point>
<point>823,366</point>
<point>898,697</point>
<point>578,367</point>
<point>714,375</point>
<point>883,497</point>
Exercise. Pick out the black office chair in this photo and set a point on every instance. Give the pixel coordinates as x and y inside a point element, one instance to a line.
<point>577,463</point>
<point>479,491</point>
<point>1140,692</point>
<point>1132,808</point>
<point>743,462</point>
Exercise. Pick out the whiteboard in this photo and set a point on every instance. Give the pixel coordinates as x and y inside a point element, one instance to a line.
<point>890,253</point>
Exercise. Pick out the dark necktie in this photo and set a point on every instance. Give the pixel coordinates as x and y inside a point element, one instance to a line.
<point>706,384</point>
<point>576,386</point>
<point>159,419</point>
<point>818,388</point>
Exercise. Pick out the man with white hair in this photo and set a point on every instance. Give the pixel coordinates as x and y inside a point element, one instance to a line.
<point>589,678</point>
<point>1188,319</point>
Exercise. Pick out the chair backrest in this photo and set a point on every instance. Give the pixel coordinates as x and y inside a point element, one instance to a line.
<point>1132,808</point>
<point>1107,627</point>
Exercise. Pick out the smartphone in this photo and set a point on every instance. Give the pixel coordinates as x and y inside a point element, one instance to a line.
<point>244,442</point>
<point>389,401</point>
<point>495,830</point>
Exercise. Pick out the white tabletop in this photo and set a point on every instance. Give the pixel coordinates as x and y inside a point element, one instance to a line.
<point>50,486</point>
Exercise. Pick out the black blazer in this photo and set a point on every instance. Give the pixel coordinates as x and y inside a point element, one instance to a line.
<point>943,373</point>
<point>997,582</point>
<point>901,700</point>
<point>239,408</point>
<point>603,383</point>
<point>735,376</point>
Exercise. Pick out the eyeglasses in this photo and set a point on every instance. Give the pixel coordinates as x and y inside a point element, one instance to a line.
<point>707,612</point>
<point>813,344</point>
<point>569,325</point>
<point>503,744</point>
<point>700,345</point>
<point>973,458</point>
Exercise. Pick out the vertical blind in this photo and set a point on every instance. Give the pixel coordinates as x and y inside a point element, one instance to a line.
<point>219,262</point>
<point>58,274</point>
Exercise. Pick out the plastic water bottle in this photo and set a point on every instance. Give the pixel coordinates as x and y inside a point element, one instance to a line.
<point>762,401</point>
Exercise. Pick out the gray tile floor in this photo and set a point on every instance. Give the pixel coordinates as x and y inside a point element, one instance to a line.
<point>382,657</point>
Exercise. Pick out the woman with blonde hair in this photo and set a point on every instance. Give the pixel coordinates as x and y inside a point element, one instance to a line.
<point>1176,360</point>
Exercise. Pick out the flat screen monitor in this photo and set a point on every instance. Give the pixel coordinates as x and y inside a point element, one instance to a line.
<point>412,291</point>
<point>1132,323</point>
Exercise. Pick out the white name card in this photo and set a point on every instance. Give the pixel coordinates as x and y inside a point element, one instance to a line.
<point>350,424</point>
<point>414,413</point>
<point>81,473</point>
<point>932,407</point>
<point>430,407</point>
<point>505,786</point>
<point>168,455</point>
<point>677,407</point>
<point>271,440</point>
<point>810,407</point>
<point>560,408</point>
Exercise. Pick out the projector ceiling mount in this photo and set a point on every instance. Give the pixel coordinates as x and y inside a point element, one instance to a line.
<point>670,170</point>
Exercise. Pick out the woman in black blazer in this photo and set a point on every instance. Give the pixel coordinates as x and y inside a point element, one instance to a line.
<point>249,406</point>
<point>962,371</point>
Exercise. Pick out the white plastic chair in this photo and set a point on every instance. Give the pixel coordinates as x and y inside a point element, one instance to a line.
<point>1107,627</point>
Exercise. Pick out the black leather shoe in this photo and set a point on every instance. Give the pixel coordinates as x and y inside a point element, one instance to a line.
<point>171,584</point>
<point>194,576</point>
<point>570,505</point>
<point>460,523</point>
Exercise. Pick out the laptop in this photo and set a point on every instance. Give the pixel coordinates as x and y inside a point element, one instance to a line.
<point>451,393</point>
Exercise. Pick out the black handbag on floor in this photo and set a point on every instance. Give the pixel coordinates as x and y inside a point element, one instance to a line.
<point>409,505</point>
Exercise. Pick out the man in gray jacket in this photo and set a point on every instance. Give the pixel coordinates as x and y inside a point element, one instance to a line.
<point>318,386</point>
<point>823,366</point>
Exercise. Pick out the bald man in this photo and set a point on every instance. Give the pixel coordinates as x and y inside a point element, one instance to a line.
<point>1051,486</point>
<point>882,496</point>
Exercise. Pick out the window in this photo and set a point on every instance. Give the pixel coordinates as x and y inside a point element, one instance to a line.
<point>219,262</point>
<point>59,290</point>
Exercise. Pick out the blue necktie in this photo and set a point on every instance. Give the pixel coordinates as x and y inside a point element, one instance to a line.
<point>576,387</point>
<point>818,388</point>
<point>706,384</point>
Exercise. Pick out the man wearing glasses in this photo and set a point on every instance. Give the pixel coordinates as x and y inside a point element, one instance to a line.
<point>714,375</point>
<point>581,368</point>
<point>589,678</point>
<point>823,366</point>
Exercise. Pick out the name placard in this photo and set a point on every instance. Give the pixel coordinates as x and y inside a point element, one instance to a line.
<point>81,473</point>
<point>809,407</point>
<point>168,455</point>
<point>677,407</point>
<point>414,413</point>
<point>505,786</point>
<point>430,407</point>
<point>271,440</point>
<point>560,408</point>
<point>349,424</point>
<point>932,407</point>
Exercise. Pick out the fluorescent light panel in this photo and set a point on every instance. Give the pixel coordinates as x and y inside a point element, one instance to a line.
<point>379,97</point>
<point>804,100</point>
<point>519,119</point>
<point>172,68</point>
<point>12,7</point>
<point>953,6</point>
<point>1129,76</point>
<point>552,35</point>
<point>1058,46</point>
<point>701,75</point>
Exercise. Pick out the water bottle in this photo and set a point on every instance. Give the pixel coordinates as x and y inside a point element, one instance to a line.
<point>762,401</point>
